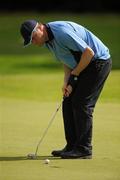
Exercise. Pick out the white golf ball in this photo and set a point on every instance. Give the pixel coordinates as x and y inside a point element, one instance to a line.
<point>47,161</point>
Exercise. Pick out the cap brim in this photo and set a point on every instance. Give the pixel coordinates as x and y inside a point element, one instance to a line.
<point>27,42</point>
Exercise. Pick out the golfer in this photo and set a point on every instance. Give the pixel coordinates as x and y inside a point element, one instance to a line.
<point>87,64</point>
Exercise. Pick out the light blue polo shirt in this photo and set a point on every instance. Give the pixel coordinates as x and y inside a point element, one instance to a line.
<point>71,39</point>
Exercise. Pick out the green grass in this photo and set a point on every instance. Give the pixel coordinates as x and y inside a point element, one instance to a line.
<point>26,64</point>
<point>27,102</point>
<point>23,123</point>
<point>46,87</point>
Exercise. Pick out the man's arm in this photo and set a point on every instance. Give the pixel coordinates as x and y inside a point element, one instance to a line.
<point>84,61</point>
<point>67,72</point>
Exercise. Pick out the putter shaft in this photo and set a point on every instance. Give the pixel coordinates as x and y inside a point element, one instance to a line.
<point>45,132</point>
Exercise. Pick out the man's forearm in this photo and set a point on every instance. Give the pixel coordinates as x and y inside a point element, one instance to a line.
<point>67,72</point>
<point>84,61</point>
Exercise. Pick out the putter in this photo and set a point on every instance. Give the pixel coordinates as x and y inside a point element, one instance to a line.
<point>46,130</point>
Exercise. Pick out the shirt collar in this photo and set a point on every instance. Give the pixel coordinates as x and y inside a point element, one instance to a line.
<point>49,32</point>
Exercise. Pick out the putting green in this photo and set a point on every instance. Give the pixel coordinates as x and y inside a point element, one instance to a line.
<point>22,124</point>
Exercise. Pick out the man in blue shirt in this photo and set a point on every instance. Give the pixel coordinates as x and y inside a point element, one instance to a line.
<point>87,63</point>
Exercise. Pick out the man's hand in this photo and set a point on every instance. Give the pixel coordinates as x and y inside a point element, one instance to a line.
<point>70,85</point>
<point>67,90</point>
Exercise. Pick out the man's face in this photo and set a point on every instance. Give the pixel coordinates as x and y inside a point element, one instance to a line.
<point>38,36</point>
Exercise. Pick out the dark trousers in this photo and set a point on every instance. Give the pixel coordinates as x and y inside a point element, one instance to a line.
<point>79,106</point>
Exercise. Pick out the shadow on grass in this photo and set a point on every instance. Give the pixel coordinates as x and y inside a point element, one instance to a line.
<point>37,65</point>
<point>22,158</point>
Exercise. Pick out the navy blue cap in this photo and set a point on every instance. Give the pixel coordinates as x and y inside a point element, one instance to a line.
<point>26,30</point>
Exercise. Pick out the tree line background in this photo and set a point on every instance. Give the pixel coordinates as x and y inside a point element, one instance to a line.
<point>62,5</point>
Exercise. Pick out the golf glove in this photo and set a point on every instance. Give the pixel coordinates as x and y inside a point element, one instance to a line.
<point>73,79</point>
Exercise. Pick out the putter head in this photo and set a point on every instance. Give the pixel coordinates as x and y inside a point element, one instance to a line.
<point>31,156</point>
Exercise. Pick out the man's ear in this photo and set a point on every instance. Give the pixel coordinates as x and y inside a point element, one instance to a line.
<point>39,26</point>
